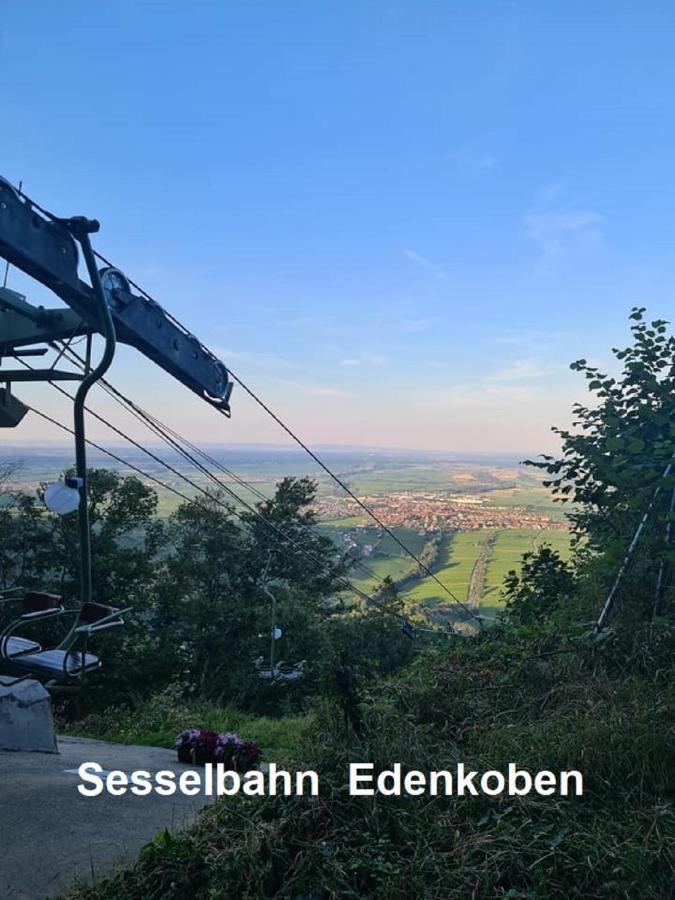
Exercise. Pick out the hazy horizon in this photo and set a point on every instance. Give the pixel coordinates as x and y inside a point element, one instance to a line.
<point>118,444</point>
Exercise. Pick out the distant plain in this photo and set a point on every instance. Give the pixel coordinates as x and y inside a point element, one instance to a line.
<point>470,564</point>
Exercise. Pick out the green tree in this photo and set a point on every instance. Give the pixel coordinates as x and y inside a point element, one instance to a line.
<point>212,613</point>
<point>544,583</point>
<point>25,557</point>
<point>124,540</point>
<point>614,464</point>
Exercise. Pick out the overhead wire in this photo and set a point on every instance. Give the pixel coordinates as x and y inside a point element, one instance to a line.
<point>162,430</point>
<point>370,512</point>
<point>158,427</point>
<point>423,567</point>
<point>119,459</point>
<point>343,582</point>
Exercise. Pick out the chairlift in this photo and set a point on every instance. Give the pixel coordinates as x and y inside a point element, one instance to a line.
<point>280,672</point>
<point>47,248</point>
<point>71,658</point>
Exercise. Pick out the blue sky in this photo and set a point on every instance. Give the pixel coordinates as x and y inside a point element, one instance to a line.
<point>399,221</point>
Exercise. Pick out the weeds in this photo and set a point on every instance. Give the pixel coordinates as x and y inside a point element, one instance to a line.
<point>156,721</point>
<point>470,704</point>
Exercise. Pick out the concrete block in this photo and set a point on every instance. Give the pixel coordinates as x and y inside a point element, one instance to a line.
<point>26,721</point>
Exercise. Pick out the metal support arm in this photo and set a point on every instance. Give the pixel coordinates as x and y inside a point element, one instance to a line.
<point>81,228</point>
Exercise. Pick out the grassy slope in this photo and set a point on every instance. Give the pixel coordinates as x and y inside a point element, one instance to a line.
<point>606,711</point>
<point>158,720</point>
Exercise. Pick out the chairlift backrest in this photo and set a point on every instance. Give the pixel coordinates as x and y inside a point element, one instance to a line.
<point>40,602</point>
<point>98,616</point>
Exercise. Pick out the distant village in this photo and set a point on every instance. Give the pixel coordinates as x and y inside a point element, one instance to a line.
<point>429,512</point>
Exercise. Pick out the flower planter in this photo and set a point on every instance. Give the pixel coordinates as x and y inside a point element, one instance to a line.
<point>196,747</point>
<point>193,756</point>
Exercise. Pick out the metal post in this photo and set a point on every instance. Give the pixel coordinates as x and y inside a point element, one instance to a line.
<point>602,618</point>
<point>269,593</point>
<point>81,229</point>
<point>274,626</point>
<point>662,567</point>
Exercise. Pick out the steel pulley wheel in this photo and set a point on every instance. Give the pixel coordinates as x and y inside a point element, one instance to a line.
<point>112,280</point>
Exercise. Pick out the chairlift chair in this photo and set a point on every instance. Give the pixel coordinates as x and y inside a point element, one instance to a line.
<point>281,671</point>
<point>71,658</point>
<point>15,646</point>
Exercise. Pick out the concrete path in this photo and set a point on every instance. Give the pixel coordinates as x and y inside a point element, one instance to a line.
<point>50,833</point>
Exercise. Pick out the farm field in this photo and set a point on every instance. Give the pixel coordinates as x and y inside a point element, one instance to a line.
<point>386,559</point>
<point>508,550</point>
<point>455,562</point>
<point>537,499</point>
<point>469,562</point>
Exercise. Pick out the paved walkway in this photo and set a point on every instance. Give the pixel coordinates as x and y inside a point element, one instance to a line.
<point>51,834</point>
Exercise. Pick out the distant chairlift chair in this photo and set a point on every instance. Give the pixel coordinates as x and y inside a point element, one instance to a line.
<point>70,659</point>
<point>282,672</point>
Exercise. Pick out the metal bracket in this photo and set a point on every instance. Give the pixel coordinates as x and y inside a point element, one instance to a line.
<point>22,324</point>
<point>12,410</point>
<point>10,375</point>
<point>45,249</point>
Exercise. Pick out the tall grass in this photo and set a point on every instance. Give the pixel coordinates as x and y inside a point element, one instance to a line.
<point>157,720</point>
<point>491,701</point>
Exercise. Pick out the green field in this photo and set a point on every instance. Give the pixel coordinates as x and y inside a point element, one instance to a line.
<point>456,558</point>
<point>533,499</point>
<point>508,551</point>
<point>347,522</point>
<point>454,563</point>
<point>387,558</point>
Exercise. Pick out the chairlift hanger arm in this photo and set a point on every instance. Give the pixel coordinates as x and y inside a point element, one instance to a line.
<point>44,249</point>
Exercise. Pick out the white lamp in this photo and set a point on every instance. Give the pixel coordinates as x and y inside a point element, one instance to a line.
<point>62,498</point>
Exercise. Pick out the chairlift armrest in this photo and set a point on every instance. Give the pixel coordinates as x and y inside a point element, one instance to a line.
<point>23,620</point>
<point>43,614</point>
<point>112,620</point>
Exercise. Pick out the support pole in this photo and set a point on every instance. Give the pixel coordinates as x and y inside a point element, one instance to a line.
<point>272,597</point>
<point>662,567</point>
<point>81,228</point>
<point>602,618</point>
